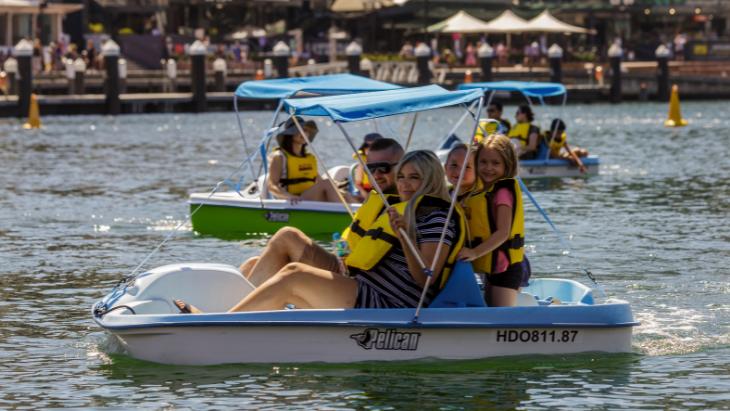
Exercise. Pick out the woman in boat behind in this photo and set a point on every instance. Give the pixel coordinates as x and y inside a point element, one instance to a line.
<point>524,135</point>
<point>293,171</point>
<point>381,272</point>
<point>496,223</point>
<point>556,139</point>
<point>454,162</point>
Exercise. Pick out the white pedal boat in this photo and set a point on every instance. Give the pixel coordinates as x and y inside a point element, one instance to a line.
<point>456,326</point>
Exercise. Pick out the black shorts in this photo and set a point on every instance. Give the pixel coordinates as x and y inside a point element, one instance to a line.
<point>512,278</point>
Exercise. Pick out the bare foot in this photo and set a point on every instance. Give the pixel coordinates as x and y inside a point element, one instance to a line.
<point>182,306</point>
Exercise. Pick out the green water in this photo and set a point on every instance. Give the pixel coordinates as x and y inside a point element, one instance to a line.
<point>86,200</point>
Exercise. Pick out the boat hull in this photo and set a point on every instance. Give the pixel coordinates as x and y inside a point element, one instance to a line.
<point>228,213</point>
<point>531,169</point>
<point>207,345</point>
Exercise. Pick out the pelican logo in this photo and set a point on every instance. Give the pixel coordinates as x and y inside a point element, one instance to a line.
<point>276,217</point>
<point>305,167</point>
<point>389,339</point>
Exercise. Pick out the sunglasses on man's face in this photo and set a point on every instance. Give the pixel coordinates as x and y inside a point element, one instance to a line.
<point>381,166</point>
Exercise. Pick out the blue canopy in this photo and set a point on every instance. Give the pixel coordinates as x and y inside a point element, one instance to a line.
<point>329,84</point>
<point>381,103</point>
<point>528,88</point>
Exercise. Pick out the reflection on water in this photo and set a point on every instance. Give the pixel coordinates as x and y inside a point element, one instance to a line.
<point>87,199</point>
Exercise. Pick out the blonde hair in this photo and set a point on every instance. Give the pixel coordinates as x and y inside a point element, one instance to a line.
<point>502,145</point>
<point>433,182</point>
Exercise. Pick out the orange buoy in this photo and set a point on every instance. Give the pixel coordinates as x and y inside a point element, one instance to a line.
<point>675,116</point>
<point>467,76</point>
<point>34,114</point>
<point>259,75</point>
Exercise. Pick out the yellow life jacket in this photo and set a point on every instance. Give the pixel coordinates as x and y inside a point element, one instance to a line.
<point>365,179</point>
<point>379,240</point>
<point>521,131</point>
<point>482,225</point>
<point>557,143</point>
<point>365,216</point>
<point>301,172</point>
<point>491,128</point>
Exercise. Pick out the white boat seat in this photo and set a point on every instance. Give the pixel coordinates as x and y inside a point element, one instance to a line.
<point>526,300</point>
<point>461,290</point>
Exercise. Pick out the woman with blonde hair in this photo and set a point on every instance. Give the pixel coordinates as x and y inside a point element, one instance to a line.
<point>382,271</point>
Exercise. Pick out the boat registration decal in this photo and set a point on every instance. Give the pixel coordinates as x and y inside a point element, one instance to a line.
<point>535,336</point>
<point>390,339</point>
<point>276,217</point>
<point>537,171</point>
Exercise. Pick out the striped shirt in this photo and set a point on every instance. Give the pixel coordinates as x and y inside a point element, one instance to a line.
<point>390,284</point>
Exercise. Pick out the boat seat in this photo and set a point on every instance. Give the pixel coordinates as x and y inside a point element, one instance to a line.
<point>526,300</point>
<point>461,290</point>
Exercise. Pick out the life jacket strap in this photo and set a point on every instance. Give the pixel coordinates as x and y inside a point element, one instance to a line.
<point>357,229</point>
<point>379,234</point>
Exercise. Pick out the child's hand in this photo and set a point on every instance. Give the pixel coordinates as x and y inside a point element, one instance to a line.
<point>397,222</point>
<point>466,255</point>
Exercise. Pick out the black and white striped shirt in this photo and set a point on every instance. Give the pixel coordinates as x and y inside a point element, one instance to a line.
<point>391,280</point>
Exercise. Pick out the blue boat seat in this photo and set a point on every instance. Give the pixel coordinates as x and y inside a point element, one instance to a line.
<point>461,290</point>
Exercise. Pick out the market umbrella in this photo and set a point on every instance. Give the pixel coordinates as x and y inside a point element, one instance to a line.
<point>507,22</point>
<point>546,22</point>
<point>461,22</point>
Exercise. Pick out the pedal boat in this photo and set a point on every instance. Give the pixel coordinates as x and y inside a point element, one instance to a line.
<point>250,210</point>
<point>542,166</point>
<point>456,326</point>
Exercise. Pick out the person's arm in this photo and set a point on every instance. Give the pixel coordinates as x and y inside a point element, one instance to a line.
<point>576,159</point>
<point>532,141</point>
<point>504,226</point>
<point>358,180</point>
<point>427,251</point>
<point>272,182</point>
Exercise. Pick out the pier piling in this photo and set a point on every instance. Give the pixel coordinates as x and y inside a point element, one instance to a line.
<point>281,56</point>
<point>219,66</point>
<point>24,54</point>
<point>110,51</point>
<point>614,59</point>
<point>662,72</point>
<point>486,58</point>
<point>11,69</point>
<point>122,76</point>
<point>354,51</point>
<point>172,75</point>
<point>197,81</point>
<point>80,69</point>
<point>423,54</point>
<point>555,54</point>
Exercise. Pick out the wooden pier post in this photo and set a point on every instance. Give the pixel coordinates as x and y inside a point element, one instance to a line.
<point>423,54</point>
<point>614,58</point>
<point>197,74</point>
<point>122,76</point>
<point>11,69</point>
<point>662,72</point>
<point>219,66</point>
<point>486,58</point>
<point>80,69</point>
<point>110,51</point>
<point>555,54</point>
<point>281,55</point>
<point>24,54</point>
<point>354,51</point>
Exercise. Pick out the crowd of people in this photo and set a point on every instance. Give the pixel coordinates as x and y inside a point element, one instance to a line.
<point>384,270</point>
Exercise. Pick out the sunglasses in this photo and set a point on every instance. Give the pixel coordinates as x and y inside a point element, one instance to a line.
<point>381,166</point>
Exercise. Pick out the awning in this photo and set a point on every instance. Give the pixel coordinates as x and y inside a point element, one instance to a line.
<point>328,84</point>
<point>507,22</point>
<point>528,88</point>
<point>380,104</point>
<point>460,22</point>
<point>344,6</point>
<point>546,22</point>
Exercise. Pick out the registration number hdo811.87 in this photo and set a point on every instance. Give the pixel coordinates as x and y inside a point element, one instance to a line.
<point>538,336</point>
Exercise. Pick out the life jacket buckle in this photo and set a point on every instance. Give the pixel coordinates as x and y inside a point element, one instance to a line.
<point>428,272</point>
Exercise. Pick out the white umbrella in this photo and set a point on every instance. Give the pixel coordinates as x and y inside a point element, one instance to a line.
<point>546,22</point>
<point>507,22</point>
<point>460,22</point>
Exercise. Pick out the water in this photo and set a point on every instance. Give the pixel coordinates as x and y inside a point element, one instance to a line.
<point>86,200</point>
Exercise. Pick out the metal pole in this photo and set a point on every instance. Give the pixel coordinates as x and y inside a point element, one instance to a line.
<point>448,216</point>
<point>408,141</point>
<point>403,127</point>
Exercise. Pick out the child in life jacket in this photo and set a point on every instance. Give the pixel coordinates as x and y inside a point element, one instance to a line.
<point>454,162</point>
<point>496,222</point>
<point>556,139</point>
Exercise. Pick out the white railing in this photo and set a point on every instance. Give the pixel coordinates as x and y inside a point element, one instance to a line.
<point>398,72</point>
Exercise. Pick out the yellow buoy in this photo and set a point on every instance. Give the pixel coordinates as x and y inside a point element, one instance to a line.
<point>34,115</point>
<point>675,116</point>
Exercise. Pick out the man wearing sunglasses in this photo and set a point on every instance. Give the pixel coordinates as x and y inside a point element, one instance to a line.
<point>494,112</point>
<point>291,245</point>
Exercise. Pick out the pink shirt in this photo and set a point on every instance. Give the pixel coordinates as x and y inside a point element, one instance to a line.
<point>503,196</point>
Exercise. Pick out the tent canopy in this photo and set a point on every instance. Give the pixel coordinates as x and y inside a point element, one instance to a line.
<point>380,104</point>
<point>328,84</point>
<point>528,88</point>
<point>461,22</point>
<point>548,23</point>
<point>507,22</point>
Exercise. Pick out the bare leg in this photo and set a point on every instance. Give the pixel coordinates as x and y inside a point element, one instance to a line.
<point>286,246</point>
<point>304,285</point>
<point>247,267</point>
<point>503,297</point>
<point>323,191</point>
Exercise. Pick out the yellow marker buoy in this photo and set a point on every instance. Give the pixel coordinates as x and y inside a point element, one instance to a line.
<point>34,114</point>
<point>675,116</point>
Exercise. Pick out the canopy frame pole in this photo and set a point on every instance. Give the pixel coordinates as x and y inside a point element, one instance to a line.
<point>380,193</point>
<point>458,123</point>
<point>319,160</point>
<point>266,140</point>
<point>403,127</point>
<point>408,141</point>
<point>390,129</point>
<point>240,126</point>
<point>448,216</point>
